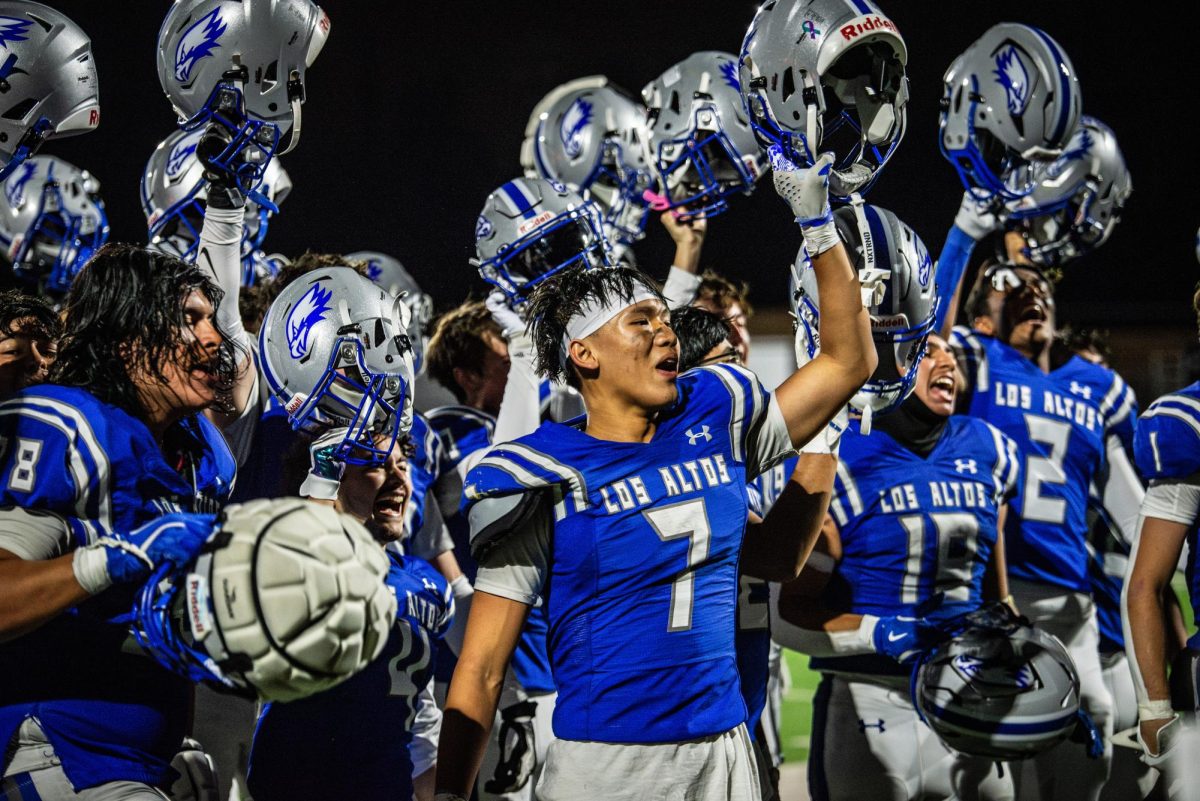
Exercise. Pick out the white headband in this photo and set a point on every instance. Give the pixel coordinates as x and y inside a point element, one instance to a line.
<point>594,313</point>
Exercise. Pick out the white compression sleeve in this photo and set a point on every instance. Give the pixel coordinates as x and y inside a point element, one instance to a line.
<point>221,254</point>
<point>680,288</point>
<point>1123,492</point>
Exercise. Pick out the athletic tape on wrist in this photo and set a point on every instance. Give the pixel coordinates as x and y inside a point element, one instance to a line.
<point>819,238</point>
<point>90,566</point>
<point>857,641</point>
<point>1155,710</point>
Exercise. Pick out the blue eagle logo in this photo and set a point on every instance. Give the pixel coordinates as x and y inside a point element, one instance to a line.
<point>570,130</point>
<point>972,667</point>
<point>14,190</point>
<point>1079,148</point>
<point>374,270</point>
<point>729,73</point>
<point>924,264</point>
<point>308,311</point>
<point>178,157</point>
<point>13,29</point>
<point>198,41</point>
<point>1011,74</point>
<point>483,228</point>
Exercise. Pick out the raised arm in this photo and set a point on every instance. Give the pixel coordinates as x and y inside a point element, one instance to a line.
<point>683,281</point>
<point>973,222</point>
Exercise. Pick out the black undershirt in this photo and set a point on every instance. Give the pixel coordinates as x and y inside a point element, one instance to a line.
<point>914,425</point>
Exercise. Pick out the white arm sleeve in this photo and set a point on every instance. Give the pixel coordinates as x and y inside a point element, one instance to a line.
<point>516,566</point>
<point>680,288</point>
<point>520,412</point>
<point>221,255</point>
<point>426,729</point>
<point>1123,492</point>
<point>31,536</point>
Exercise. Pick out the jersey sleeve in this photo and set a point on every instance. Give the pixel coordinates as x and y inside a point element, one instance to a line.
<point>1177,502</point>
<point>517,567</point>
<point>757,429</point>
<point>845,505</point>
<point>1119,409</point>
<point>1166,442</point>
<point>972,357</point>
<point>33,535</point>
<point>51,459</point>
<point>1006,466</point>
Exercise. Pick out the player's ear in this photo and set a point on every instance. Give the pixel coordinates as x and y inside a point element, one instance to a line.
<point>467,379</point>
<point>583,356</point>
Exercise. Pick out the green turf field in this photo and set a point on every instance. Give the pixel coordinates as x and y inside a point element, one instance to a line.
<point>796,716</point>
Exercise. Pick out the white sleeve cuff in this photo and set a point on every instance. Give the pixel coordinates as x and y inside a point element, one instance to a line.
<point>1173,502</point>
<point>681,287</point>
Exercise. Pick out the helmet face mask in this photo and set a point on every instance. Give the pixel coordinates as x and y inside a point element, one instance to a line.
<point>824,77</point>
<point>531,229</point>
<point>702,145</point>
<point>53,223</point>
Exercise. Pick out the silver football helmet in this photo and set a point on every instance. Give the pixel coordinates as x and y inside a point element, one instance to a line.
<point>701,142</point>
<point>174,194</point>
<point>531,228</point>
<point>242,64</point>
<point>335,354</point>
<point>592,136</point>
<point>48,85</point>
<point>1077,200</point>
<point>389,273</point>
<point>999,688</point>
<point>898,276</point>
<point>51,221</point>
<point>1010,98</point>
<point>827,76</point>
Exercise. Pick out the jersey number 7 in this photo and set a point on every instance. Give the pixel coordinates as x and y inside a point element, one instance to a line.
<point>684,519</point>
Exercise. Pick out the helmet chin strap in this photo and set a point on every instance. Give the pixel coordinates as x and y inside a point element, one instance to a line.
<point>872,279</point>
<point>295,92</point>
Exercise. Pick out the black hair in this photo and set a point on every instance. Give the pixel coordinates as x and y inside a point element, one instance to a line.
<point>698,331</point>
<point>561,296</point>
<point>124,314</point>
<point>32,315</point>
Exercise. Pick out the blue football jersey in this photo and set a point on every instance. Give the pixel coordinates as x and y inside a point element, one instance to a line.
<point>913,526</point>
<point>1117,401</point>
<point>1166,447</point>
<point>422,470</point>
<point>641,587</point>
<point>352,741</point>
<point>1060,437</point>
<point>753,640</point>
<point>109,713</point>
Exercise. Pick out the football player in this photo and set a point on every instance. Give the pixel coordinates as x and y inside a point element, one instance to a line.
<point>916,518</point>
<point>1061,434</point>
<point>29,332</point>
<point>115,439</point>
<point>653,478</point>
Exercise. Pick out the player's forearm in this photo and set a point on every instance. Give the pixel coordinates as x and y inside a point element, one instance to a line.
<point>777,548</point>
<point>220,254</point>
<point>35,592</point>
<point>951,267</point>
<point>466,724</point>
<point>803,625</point>
<point>845,323</point>
<point>1146,633</point>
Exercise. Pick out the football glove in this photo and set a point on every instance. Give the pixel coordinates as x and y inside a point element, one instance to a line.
<point>806,191</point>
<point>325,469</point>
<point>174,539</point>
<point>977,218</point>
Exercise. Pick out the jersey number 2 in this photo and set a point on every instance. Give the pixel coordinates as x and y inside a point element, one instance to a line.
<point>687,519</point>
<point>1040,470</point>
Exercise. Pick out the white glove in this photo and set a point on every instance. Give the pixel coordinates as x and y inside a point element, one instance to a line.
<point>509,321</point>
<point>977,218</point>
<point>325,469</point>
<point>827,441</point>
<point>197,774</point>
<point>806,191</point>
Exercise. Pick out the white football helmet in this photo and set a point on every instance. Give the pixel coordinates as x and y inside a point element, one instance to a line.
<point>389,273</point>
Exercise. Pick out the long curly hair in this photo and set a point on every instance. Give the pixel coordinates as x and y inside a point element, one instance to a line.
<point>560,297</point>
<point>124,316</point>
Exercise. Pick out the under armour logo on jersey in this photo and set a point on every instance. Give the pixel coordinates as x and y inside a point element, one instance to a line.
<point>1081,390</point>
<point>13,29</point>
<point>966,466</point>
<point>308,311</point>
<point>694,437</point>
<point>570,130</point>
<point>863,726</point>
<point>197,42</point>
<point>1011,74</point>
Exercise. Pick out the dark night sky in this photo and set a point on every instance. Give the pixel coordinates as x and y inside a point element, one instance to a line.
<point>416,111</point>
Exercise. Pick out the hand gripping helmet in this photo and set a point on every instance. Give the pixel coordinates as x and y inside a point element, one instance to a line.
<point>592,136</point>
<point>48,84</point>
<point>334,352</point>
<point>1012,97</point>
<point>1077,200</point>
<point>241,63</point>
<point>51,221</point>
<point>898,278</point>
<point>531,228</point>
<point>999,688</point>
<point>827,76</point>
<point>174,194</point>
<point>287,598</point>
<point>701,142</point>
<point>390,274</point>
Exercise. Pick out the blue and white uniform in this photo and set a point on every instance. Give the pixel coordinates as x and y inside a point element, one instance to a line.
<point>352,741</point>
<point>121,717</point>
<point>1061,435</point>
<point>634,547</point>
<point>909,527</point>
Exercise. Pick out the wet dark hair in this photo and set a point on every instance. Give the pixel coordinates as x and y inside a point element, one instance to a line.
<point>124,314</point>
<point>1093,339</point>
<point>35,316</point>
<point>699,331</point>
<point>459,340</point>
<point>561,296</point>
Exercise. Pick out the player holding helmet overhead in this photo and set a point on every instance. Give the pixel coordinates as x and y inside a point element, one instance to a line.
<point>51,222</point>
<point>626,511</point>
<point>702,148</point>
<point>49,78</point>
<point>827,76</point>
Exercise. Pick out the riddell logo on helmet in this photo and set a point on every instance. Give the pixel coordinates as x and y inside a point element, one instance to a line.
<point>529,225</point>
<point>866,24</point>
<point>199,615</point>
